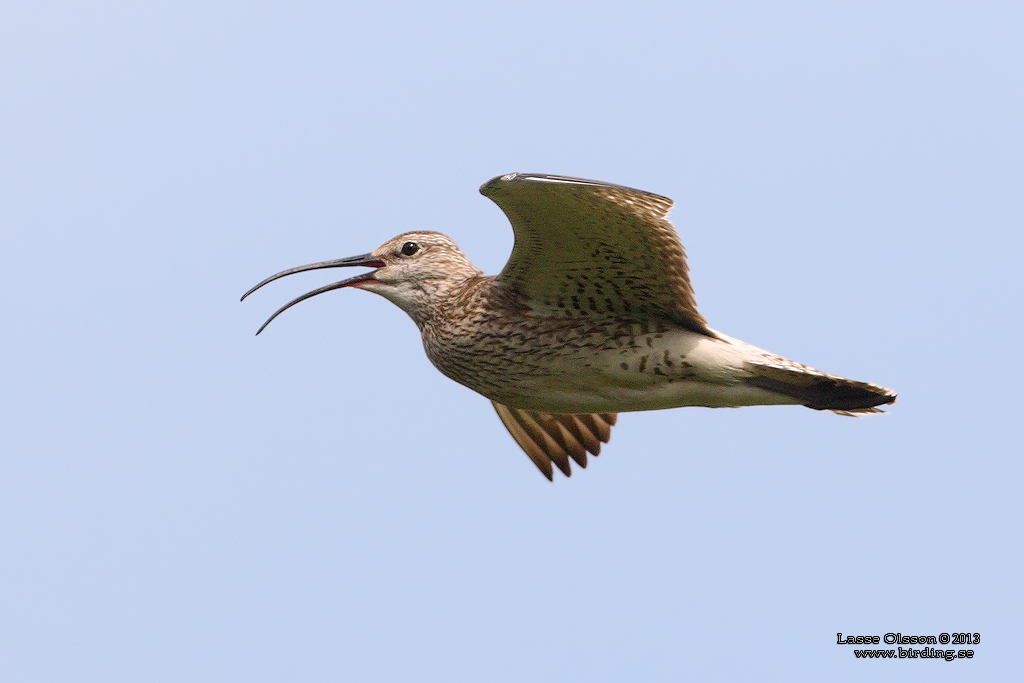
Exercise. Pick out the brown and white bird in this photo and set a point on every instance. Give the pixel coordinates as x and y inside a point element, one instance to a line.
<point>593,315</point>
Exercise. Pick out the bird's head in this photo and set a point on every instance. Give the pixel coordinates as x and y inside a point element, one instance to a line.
<point>415,270</point>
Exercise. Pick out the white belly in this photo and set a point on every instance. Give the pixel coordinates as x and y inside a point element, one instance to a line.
<point>671,370</point>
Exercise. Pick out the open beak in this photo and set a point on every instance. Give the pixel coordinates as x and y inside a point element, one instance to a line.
<point>366,260</point>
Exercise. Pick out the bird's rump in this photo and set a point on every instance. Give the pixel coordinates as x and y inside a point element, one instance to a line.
<point>589,247</point>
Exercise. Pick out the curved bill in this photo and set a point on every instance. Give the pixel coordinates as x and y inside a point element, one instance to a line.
<point>366,260</point>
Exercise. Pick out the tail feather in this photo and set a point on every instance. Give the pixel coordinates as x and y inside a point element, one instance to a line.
<point>819,390</point>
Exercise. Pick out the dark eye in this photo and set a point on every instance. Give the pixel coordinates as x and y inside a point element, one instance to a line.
<point>410,248</point>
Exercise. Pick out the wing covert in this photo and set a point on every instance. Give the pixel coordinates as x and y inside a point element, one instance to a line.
<point>594,247</point>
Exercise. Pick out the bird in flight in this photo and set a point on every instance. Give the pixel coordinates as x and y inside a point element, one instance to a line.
<point>593,315</point>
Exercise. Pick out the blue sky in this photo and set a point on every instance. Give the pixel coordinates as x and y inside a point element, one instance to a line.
<point>182,501</point>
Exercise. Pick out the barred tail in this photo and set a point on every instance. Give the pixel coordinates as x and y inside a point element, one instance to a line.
<point>819,390</point>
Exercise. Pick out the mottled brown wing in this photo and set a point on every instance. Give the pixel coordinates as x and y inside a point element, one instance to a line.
<point>548,438</point>
<point>594,247</point>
